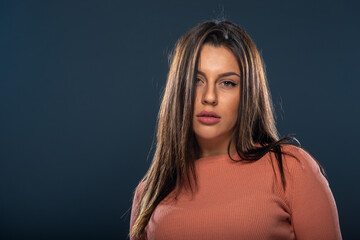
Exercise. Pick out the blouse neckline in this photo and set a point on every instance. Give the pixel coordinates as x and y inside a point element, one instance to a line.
<point>218,157</point>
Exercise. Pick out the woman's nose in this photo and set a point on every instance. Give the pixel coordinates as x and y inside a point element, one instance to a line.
<point>209,96</point>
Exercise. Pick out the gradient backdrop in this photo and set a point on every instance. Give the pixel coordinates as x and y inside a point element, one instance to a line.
<point>80,85</point>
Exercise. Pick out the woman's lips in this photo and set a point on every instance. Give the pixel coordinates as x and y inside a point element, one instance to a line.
<point>208,120</point>
<point>208,117</point>
<point>208,114</point>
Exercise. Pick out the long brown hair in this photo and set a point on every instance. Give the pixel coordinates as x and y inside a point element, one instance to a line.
<point>173,167</point>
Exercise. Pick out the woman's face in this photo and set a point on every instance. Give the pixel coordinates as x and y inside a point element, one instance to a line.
<point>217,91</point>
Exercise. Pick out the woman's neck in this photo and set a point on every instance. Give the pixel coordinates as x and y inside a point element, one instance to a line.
<point>215,147</point>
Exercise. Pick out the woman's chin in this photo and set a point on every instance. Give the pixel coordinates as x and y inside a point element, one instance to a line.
<point>208,136</point>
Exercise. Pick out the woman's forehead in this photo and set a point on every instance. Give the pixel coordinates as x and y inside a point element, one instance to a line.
<point>217,59</point>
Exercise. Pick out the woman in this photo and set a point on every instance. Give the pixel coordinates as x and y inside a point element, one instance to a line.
<point>220,170</point>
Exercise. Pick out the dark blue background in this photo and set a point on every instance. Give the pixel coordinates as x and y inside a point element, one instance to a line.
<point>80,85</point>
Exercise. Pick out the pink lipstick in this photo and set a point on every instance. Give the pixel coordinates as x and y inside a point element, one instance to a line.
<point>207,117</point>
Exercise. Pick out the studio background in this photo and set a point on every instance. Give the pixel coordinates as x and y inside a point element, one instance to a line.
<point>80,86</point>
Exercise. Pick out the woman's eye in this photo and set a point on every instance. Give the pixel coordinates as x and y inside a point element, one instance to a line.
<point>198,80</point>
<point>229,84</point>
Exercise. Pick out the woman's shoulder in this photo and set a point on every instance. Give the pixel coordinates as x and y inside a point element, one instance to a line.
<point>138,190</point>
<point>140,187</point>
<point>298,156</point>
<point>301,163</point>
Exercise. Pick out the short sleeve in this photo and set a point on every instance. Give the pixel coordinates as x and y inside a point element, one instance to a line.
<point>134,208</point>
<point>313,208</point>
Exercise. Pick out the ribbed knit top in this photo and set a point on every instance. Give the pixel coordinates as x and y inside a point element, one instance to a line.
<point>238,200</point>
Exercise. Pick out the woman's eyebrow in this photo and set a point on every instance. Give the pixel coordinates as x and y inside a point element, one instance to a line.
<point>221,75</point>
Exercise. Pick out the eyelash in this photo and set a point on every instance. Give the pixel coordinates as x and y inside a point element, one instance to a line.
<point>228,83</point>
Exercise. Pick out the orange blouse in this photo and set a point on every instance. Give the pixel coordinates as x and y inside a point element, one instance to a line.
<point>247,201</point>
